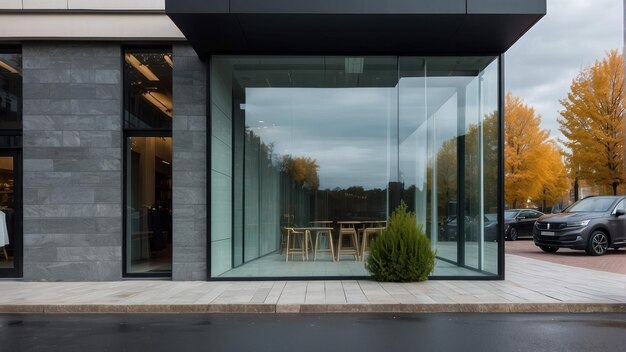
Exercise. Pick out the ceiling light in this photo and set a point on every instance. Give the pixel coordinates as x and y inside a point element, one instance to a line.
<point>139,66</point>
<point>168,59</point>
<point>8,67</point>
<point>160,100</point>
<point>242,107</point>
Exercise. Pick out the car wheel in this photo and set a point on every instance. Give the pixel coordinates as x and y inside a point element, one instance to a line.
<point>549,249</point>
<point>513,234</point>
<point>598,243</point>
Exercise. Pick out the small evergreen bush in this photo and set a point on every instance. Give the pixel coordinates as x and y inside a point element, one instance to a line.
<point>402,253</point>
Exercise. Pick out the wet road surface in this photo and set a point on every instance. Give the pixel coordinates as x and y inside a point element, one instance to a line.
<point>283,332</point>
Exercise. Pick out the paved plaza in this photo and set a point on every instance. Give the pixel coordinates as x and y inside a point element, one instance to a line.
<point>531,286</point>
<point>613,261</point>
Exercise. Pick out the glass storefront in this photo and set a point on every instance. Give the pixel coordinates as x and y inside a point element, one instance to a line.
<point>10,90</point>
<point>148,162</point>
<point>10,162</point>
<point>8,214</point>
<point>310,155</point>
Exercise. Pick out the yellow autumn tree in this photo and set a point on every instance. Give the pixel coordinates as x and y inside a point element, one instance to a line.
<point>303,170</point>
<point>526,169</point>
<point>489,130</point>
<point>592,123</point>
<point>557,183</point>
<point>447,173</point>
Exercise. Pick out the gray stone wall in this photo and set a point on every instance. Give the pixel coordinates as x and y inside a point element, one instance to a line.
<point>72,161</point>
<point>189,165</point>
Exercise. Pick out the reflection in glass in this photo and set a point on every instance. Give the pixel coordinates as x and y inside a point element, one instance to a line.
<point>305,141</point>
<point>8,217</point>
<point>449,111</point>
<point>311,143</point>
<point>149,204</point>
<point>148,89</point>
<point>10,91</point>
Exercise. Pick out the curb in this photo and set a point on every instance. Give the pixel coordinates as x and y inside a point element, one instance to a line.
<point>320,308</point>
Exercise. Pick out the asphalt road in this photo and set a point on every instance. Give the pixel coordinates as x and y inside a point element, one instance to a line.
<point>613,261</point>
<point>348,332</point>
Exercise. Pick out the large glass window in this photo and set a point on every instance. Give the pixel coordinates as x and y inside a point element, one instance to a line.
<point>9,211</point>
<point>148,89</point>
<point>449,155</point>
<point>10,162</point>
<point>309,155</point>
<point>10,90</point>
<point>148,162</point>
<point>149,204</point>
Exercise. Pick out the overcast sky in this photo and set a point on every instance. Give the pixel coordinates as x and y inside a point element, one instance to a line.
<point>540,66</point>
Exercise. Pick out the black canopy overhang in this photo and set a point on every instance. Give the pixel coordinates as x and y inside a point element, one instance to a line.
<point>396,34</point>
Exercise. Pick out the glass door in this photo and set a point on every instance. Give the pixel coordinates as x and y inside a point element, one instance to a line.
<point>10,215</point>
<point>148,206</point>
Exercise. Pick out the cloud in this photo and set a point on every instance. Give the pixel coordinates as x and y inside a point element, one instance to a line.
<point>540,66</point>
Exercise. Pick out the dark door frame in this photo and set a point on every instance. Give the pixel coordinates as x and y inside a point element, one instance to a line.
<point>18,234</point>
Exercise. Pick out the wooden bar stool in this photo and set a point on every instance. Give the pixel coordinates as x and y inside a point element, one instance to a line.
<point>347,228</point>
<point>291,249</point>
<point>329,238</point>
<point>283,239</point>
<point>370,231</point>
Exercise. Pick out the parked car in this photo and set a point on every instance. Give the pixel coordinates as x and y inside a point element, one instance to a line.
<point>491,227</point>
<point>519,223</point>
<point>449,228</point>
<point>592,224</point>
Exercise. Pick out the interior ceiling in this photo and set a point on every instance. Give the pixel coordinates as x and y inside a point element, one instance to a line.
<point>155,81</point>
<point>326,72</point>
<point>445,76</point>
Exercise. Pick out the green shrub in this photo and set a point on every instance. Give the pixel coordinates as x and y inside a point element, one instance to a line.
<point>402,253</point>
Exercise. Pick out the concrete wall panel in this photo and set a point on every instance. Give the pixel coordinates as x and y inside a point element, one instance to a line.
<point>189,165</point>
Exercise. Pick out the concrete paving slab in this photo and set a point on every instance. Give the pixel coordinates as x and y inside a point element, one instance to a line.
<point>531,286</point>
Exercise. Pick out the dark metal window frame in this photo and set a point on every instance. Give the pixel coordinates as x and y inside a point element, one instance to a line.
<point>135,132</point>
<point>500,171</point>
<point>16,152</point>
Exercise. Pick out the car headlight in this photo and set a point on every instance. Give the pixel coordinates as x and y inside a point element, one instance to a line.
<point>578,223</point>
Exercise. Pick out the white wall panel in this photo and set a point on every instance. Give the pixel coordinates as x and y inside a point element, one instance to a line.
<point>80,26</point>
<point>112,5</point>
<point>10,4</point>
<point>44,4</point>
<point>116,4</point>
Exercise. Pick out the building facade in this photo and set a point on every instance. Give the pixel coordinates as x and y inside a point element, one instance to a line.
<point>237,139</point>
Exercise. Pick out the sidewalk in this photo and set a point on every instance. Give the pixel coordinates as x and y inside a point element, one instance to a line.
<point>531,286</point>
